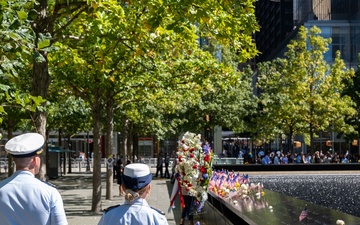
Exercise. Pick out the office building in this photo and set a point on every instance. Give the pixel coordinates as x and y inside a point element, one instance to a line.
<point>280,20</point>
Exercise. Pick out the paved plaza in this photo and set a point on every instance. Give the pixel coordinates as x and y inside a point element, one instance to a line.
<point>76,190</point>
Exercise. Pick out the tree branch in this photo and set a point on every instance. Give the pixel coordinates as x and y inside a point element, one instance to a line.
<point>72,19</point>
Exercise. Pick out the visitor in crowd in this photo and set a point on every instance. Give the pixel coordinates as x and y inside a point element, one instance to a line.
<point>300,158</point>
<point>308,158</point>
<point>284,159</point>
<point>25,199</point>
<point>82,156</point>
<point>276,159</point>
<point>140,160</point>
<point>128,160</point>
<point>119,161</point>
<point>135,210</point>
<point>186,211</point>
<point>159,166</point>
<point>346,157</point>
<point>266,160</point>
<point>317,158</point>
<point>167,162</point>
<point>240,155</point>
<point>120,171</point>
<point>114,166</point>
<point>335,158</point>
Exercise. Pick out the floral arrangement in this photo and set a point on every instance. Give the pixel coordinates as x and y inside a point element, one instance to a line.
<point>230,185</point>
<point>194,166</point>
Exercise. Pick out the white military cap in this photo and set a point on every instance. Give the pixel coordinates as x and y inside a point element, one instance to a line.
<point>25,145</point>
<point>136,176</point>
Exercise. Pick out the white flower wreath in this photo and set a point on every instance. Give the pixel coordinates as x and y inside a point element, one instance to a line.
<point>194,166</point>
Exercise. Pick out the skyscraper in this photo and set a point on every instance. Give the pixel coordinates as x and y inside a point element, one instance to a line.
<point>279,21</point>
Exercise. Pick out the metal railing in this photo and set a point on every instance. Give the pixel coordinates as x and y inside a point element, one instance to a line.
<point>218,161</point>
<point>3,165</point>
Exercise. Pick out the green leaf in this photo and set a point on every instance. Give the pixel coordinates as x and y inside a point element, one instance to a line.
<point>22,15</point>
<point>37,100</point>
<point>44,43</point>
<point>38,57</point>
<point>32,15</point>
<point>15,25</point>
<point>4,87</point>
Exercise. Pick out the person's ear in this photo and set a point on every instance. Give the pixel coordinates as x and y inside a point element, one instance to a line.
<point>32,163</point>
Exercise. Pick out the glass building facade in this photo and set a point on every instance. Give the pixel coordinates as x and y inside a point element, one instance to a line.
<point>340,21</point>
<point>280,20</point>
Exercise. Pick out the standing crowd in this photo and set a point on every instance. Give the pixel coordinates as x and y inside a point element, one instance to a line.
<point>289,158</point>
<point>261,156</point>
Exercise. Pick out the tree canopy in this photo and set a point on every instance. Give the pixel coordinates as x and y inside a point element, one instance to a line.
<point>302,93</point>
<point>143,58</point>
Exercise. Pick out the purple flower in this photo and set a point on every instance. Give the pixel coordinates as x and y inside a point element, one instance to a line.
<point>206,149</point>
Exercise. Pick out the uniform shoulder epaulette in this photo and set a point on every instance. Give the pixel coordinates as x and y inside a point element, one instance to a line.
<point>158,210</point>
<point>50,184</point>
<point>110,208</point>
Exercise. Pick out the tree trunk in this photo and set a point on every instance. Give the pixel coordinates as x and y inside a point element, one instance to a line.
<point>130,153</point>
<point>311,139</point>
<point>45,160</point>
<point>280,143</point>
<point>40,74</point>
<point>311,125</point>
<point>109,145</point>
<point>69,153</point>
<point>62,154</point>
<point>124,140</point>
<point>291,139</point>
<point>40,85</point>
<point>64,157</point>
<point>96,195</point>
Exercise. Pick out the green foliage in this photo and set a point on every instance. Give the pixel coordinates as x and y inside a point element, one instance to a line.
<point>16,36</point>
<point>154,62</point>
<point>17,105</point>
<point>16,43</point>
<point>351,89</point>
<point>301,94</point>
<point>143,55</point>
<point>68,114</point>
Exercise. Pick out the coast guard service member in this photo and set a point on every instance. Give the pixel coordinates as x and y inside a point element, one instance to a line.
<point>135,210</point>
<point>24,199</point>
